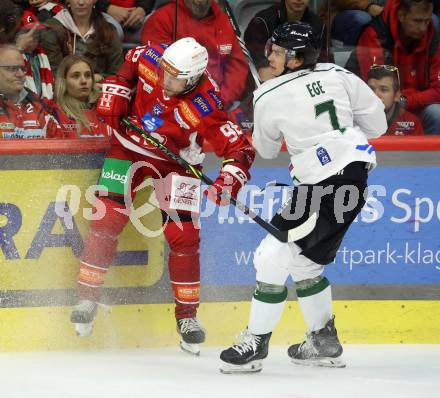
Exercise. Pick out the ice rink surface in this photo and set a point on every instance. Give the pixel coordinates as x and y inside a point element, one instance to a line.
<point>372,371</point>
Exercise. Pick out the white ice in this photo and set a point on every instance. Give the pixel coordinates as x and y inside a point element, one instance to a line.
<point>373,371</point>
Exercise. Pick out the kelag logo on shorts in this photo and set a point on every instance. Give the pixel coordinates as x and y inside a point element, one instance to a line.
<point>114,175</point>
<point>202,105</point>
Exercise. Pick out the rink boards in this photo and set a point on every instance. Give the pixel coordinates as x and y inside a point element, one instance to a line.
<point>386,277</point>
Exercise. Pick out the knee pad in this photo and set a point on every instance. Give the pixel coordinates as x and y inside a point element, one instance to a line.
<point>309,287</point>
<point>269,293</point>
<point>272,260</point>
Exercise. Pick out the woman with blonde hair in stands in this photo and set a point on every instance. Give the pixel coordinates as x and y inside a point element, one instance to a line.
<point>76,96</point>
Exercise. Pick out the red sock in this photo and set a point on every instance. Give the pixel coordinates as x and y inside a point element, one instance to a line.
<point>184,267</point>
<point>99,250</point>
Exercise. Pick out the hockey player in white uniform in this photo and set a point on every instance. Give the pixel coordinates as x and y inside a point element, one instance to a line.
<point>325,115</point>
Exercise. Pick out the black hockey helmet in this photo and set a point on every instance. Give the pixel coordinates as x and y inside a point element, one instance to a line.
<point>298,39</point>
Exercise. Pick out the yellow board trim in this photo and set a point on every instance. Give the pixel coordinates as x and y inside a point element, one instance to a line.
<point>57,267</point>
<point>153,325</point>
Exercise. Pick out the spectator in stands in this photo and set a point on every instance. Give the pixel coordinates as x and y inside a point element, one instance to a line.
<point>129,13</point>
<point>44,9</point>
<point>39,78</point>
<point>9,21</point>
<point>22,114</point>
<point>76,98</point>
<point>82,29</point>
<point>384,81</point>
<point>262,25</point>
<point>404,36</point>
<point>210,26</point>
<point>348,17</point>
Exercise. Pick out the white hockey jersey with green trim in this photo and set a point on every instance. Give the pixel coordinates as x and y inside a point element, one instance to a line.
<point>325,116</point>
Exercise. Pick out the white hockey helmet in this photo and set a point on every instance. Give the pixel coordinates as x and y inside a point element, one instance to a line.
<point>185,59</point>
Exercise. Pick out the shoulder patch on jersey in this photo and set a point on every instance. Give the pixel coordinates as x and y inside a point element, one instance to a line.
<point>179,120</point>
<point>153,56</point>
<point>147,74</point>
<point>189,114</point>
<point>202,105</point>
<point>218,101</point>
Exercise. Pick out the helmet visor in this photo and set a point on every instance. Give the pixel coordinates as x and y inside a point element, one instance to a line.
<point>170,81</point>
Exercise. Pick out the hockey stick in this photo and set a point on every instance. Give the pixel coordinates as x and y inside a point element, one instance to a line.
<point>246,52</point>
<point>282,236</point>
<point>176,7</point>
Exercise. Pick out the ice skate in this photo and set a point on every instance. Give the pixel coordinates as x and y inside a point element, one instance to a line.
<point>192,333</point>
<point>246,356</point>
<point>321,348</point>
<point>82,316</point>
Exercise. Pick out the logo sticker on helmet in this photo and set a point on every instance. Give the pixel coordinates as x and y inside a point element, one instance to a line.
<point>167,67</point>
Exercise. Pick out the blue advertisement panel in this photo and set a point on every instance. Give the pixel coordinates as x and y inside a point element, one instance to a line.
<point>395,239</point>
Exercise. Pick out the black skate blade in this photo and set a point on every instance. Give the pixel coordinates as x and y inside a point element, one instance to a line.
<point>324,362</point>
<point>251,367</point>
<point>192,349</point>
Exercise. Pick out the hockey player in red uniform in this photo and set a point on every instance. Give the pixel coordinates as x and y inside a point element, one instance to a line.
<point>179,104</point>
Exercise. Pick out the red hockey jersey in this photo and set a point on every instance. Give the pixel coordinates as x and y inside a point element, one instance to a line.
<point>182,122</point>
<point>70,128</point>
<point>26,119</point>
<point>404,123</point>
